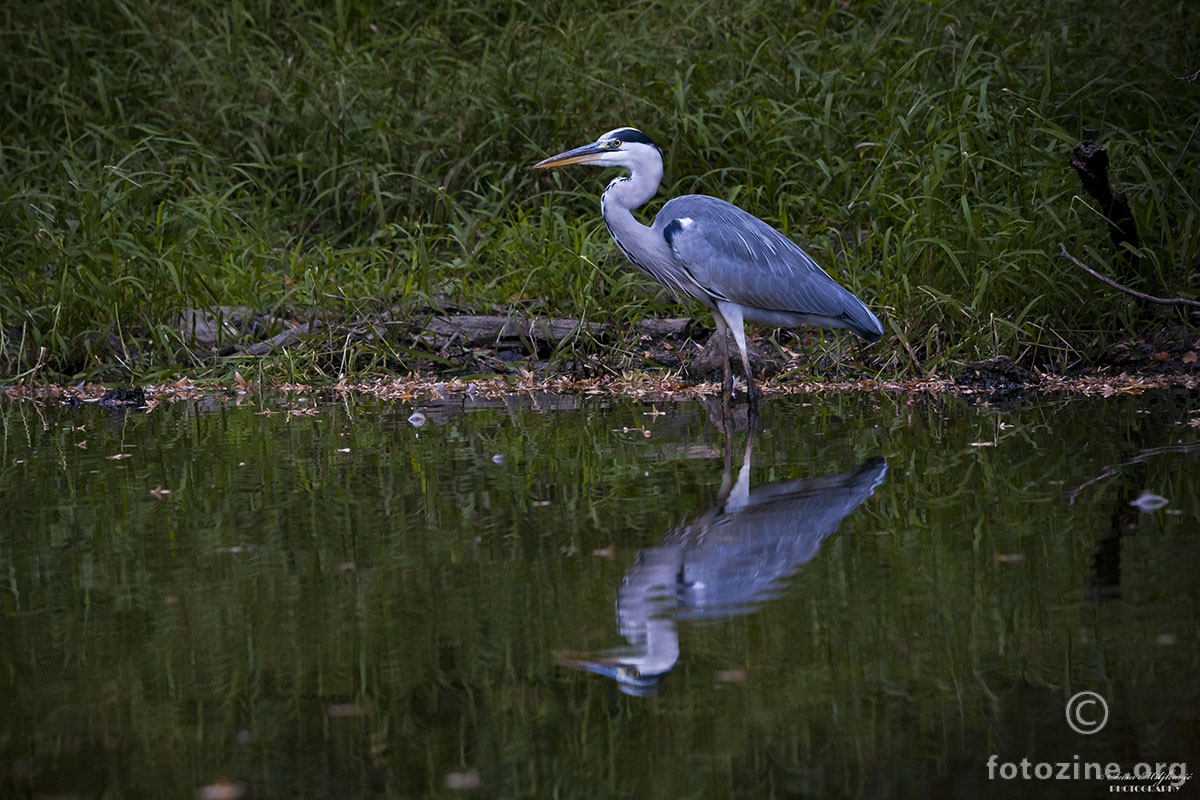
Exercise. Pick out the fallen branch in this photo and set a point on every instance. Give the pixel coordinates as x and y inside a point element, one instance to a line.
<point>1164,301</point>
<point>1138,458</point>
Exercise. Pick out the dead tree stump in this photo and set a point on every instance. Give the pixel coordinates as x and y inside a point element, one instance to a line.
<point>1090,161</point>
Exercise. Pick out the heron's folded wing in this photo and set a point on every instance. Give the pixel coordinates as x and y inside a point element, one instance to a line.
<point>737,257</point>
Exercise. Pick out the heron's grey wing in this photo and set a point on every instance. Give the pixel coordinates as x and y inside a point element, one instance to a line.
<point>737,257</point>
<point>736,560</point>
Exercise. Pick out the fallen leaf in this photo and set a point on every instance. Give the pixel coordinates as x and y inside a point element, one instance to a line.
<point>1189,357</point>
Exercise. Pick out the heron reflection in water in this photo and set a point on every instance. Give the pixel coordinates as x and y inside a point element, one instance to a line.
<point>725,563</point>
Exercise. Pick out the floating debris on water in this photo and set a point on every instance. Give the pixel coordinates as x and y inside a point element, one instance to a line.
<point>736,675</point>
<point>224,790</point>
<point>1149,501</point>
<point>349,709</point>
<point>463,780</point>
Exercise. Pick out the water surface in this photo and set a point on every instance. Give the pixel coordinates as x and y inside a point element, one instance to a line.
<point>341,603</point>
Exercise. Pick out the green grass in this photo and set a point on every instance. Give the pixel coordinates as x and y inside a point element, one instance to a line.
<point>335,162</point>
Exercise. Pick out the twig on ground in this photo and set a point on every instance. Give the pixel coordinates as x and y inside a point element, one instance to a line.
<point>1165,301</point>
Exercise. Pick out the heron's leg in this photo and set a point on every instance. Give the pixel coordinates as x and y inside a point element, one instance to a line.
<point>723,335</point>
<point>751,390</point>
<point>727,474</point>
<point>733,318</point>
<point>736,496</point>
<point>727,378</point>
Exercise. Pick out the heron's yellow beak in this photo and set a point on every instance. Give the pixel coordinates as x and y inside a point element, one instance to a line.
<point>588,154</point>
<point>609,664</point>
<point>606,663</point>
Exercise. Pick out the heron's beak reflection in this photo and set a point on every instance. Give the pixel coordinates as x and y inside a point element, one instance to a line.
<point>612,664</point>
<point>587,154</point>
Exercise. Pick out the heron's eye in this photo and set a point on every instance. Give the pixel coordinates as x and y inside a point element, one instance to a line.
<point>614,144</point>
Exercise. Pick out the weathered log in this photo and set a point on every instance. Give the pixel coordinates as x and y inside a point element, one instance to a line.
<point>498,331</point>
<point>281,341</point>
<point>495,331</point>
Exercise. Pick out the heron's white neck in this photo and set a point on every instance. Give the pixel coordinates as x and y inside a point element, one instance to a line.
<point>640,244</point>
<point>640,185</point>
<point>646,606</point>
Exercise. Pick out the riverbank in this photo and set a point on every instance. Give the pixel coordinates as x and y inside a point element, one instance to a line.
<point>499,356</point>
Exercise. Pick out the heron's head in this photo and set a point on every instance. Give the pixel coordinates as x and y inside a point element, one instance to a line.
<point>623,147</point>
<point>630,679</point>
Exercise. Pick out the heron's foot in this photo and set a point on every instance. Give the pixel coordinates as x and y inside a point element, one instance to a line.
<point>753,393</point>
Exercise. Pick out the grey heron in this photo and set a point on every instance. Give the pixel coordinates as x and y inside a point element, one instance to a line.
<point>727,562</point>
<point>702,247</point>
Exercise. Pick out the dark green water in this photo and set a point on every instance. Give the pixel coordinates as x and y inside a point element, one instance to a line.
<point>346,605</point>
